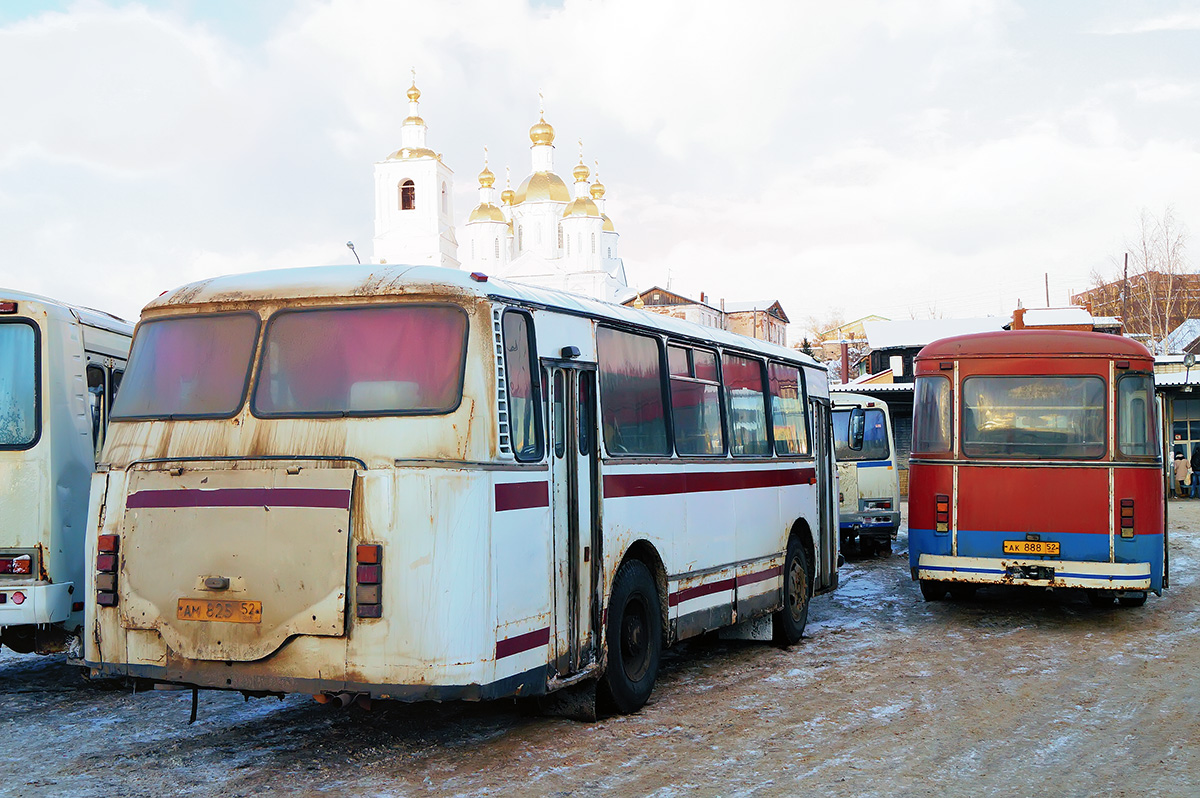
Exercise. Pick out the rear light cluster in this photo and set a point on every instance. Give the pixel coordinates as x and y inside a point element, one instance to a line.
<point>879,504</point>
<point>108,547</point>
<point>18,598</point>
<point>943,513</point>
<point>1126,518</point>
<point>368,579</point>
<point>21,564</point>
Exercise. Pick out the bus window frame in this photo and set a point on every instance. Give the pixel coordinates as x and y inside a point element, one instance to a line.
<point>197,416</point>
<point>265,331</point>
<point>768,424</point>
<point>37,387</point>
<point>664,368</point>
<point>1118,453</point>
<point>691,348</point>
<point>535,380</point>
<point>951,445</point>
<point>1103,455</point>
<point>808,444</point>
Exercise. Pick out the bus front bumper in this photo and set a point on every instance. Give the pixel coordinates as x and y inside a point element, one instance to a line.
<point>42,603</point>
<point>1035,573</point>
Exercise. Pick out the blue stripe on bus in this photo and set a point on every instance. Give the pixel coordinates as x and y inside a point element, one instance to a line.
<point>876,464</point>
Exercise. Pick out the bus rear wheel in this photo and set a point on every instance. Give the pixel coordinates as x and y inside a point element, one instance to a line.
<point>634,635</point>
<point>788,623</point>
<point>933,589</point>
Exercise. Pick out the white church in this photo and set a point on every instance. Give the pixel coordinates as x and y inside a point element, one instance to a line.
<point>542,234</point>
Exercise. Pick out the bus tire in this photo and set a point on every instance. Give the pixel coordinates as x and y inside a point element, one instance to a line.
<point>788,623</point>
<point>1132,600</point>
<point>933,589</point>
<point>634,637</point>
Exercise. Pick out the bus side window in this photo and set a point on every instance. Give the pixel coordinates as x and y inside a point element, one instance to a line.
<point>114,382</point>
<point>98,401</point>
<point>632,407</point>
<point>787,410</point>
<point>747,405</point>
<point>520,365</point>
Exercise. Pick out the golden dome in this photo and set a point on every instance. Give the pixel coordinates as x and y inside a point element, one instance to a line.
<point>582,206</point>
<point>581,172</point>
<point>414,120</point>
<point>608,225</point>
<point>542,132</point>
<point>414,93</point>
<point>597,190</point>
<point>486,212</point>
<point>411,153</point>
<point>542,187</point>
<point>486,178</point>
<point>507,196</point>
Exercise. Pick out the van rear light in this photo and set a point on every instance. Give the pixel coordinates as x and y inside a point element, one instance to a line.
<point>106,570</point>
<point>18,597</point>
<point>8,307</point>
<point>368,575</point>
<point>22,564</point>
<point>1126,518</point>
<point>943,513</point>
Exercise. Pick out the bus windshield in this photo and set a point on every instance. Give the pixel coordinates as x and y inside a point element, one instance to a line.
<point>18,385</point>
<point>875,440</point>
<point>1043,417</point>
<point>188,366</point>
<point>385,360</point>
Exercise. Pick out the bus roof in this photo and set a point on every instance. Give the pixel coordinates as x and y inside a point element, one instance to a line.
<point>88,316</point>
<point>847,399</point>
<point>1034,342</point>
<point>374,280</point>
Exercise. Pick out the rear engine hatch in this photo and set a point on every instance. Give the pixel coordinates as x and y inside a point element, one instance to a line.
<point>228,565</point>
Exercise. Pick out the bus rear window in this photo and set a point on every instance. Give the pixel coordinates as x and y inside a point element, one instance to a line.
<point>1137,428</point>
<point>388,360</point>
<point>933,432</point>
<point>1033,417</point>
<point>18,385</point>
<point>875,438</point>
<point>188,367</point>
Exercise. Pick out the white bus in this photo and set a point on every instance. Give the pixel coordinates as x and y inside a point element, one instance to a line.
<point>59,370</point>
<point>868,477</point>
<point>413,483</point>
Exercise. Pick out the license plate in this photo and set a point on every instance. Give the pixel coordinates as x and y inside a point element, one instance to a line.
<point>219,610</point>
<point>1031,547</point>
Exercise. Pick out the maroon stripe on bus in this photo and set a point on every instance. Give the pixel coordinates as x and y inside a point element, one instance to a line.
<point>522,495</point>
<point>515,645</point>
<point>331,498</point>
<point>770,573</point>
<point>618,485</point>
<point>700,590</point>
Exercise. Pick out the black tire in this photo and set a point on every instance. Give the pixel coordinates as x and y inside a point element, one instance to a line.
<point>1100,598</point>
<point>634,637</point>
<point>933,589</point>
<point>789,622</point>
<point>962,592</point>
<point>1132,601</point>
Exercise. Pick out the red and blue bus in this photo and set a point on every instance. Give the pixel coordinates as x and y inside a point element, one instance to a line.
<point>1036,461</point>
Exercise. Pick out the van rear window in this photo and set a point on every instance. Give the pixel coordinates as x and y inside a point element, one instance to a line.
<point>188,367</point>
<point>360,361</point>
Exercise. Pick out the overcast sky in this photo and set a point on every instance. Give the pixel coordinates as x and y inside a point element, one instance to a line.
<point>901,158</point>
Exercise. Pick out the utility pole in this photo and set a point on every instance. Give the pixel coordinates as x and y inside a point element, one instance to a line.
<point>1125,297</point>
<point>1047,289</point>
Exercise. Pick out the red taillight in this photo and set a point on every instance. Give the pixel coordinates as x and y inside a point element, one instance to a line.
<point>943,513</point>
<point>1126,518</point>
<point>479,277</point>
<point>107,562</point>
<point>18,597</point>
<point>368,574</point>
<point>8,307</point>
<point>109,544</point>
<point>22,564</point>
<point>106,599</point>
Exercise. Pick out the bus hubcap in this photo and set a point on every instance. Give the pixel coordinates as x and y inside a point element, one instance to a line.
<point>635,653</point>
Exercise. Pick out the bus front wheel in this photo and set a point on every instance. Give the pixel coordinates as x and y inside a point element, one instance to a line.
<point>790,621</point>
<point>634,635</point>
<point>933,589</point>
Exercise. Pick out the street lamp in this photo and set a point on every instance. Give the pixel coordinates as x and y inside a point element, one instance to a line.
<point>350,246</point>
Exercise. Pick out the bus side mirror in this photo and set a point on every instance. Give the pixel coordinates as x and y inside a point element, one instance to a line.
<point>858,428</point>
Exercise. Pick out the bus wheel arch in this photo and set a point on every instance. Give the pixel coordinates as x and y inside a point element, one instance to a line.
<point>633,630</point>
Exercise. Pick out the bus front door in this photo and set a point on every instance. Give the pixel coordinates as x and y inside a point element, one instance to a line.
<point>573,477</point>
<point>827,510</point>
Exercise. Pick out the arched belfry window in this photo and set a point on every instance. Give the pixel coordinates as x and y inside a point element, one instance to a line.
<point>445,199</point>
<point>408,195</point>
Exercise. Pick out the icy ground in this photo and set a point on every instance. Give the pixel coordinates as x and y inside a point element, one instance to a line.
<point>1012,693</point>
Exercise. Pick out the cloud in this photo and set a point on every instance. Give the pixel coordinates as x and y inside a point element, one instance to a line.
<point>1180,21</point>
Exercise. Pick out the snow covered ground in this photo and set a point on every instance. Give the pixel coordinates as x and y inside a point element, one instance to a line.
<point>1012,693</point>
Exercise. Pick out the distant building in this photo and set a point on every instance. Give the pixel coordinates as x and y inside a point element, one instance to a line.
<point>1156,303</point>
<point>829,341</point>
<point>764,320</point>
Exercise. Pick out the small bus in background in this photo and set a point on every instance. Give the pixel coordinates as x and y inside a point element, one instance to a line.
<point>59,370</point>
<point>415,483</point>
<point>868,478</point>
<point>1036,461</point>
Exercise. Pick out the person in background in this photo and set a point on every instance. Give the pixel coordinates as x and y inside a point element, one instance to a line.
<point>1183,474</point>
<point>1195,491</point>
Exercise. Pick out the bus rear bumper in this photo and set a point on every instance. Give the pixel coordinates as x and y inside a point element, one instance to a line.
<point>28,605</point>
<point>1035,573</point>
